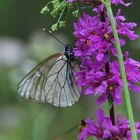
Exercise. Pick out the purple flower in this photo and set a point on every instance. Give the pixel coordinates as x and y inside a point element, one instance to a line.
<point>94,40</point>
<point>125,28</point>
<point>95,37</point>
<point>94,79</point>
<point>116,2</point>
<point>103,128</point>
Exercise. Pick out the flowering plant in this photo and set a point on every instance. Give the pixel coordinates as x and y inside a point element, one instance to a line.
<point>104,129</point>
<point>104,70</point>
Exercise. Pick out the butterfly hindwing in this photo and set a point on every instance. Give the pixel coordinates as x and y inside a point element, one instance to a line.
<point>52,81</point>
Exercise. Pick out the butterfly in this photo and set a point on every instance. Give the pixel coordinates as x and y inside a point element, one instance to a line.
<point>52,81</point>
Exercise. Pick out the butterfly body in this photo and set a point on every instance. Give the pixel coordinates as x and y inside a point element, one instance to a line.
<point>52,81</point>
<point>69,54</point>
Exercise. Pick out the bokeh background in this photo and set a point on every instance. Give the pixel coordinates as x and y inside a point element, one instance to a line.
<point>23,44</point>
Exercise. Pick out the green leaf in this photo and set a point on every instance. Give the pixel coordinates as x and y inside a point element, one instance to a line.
<point>76,13</point>
<point>45,10</point>
<point>59,9</point>
<point>54,27</point>
<point>62,24</point>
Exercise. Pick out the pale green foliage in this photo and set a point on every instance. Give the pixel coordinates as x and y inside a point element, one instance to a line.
<point>57,8</point>
<point>54,27</point>
<point>76,13</point>
<point>45,9</point>
<point>62,24</point>
<point>60,9</point>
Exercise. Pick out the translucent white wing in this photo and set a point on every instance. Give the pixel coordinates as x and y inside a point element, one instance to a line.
<point>52,81</point>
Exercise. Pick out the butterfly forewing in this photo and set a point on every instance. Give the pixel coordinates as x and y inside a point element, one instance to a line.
<point>52,81</point>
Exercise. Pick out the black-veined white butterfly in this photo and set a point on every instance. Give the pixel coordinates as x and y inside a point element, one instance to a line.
<point>52,81</point>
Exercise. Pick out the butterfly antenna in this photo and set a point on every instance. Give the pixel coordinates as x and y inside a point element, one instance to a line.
<point>50,33</point>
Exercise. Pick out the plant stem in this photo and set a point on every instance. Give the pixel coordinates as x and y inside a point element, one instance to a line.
<point>107,70</point>
<point>112,114</point>
<point>110,100</point>
<point>122,69</point>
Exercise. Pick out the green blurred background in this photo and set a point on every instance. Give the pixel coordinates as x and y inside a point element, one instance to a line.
<point>22,46</point>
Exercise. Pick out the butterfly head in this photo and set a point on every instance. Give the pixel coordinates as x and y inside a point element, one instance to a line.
<point>69,53</point>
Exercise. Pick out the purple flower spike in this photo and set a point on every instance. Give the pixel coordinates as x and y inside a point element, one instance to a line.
<point>103,128</point>
<point>95,37</point>
<point>99,72</point>
<point>94,41</point>
<point>93,76</point>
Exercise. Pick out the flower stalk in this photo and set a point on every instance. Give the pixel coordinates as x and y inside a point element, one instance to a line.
<point>111,110</point>
<point>107,70</point>
<point>122,69</point>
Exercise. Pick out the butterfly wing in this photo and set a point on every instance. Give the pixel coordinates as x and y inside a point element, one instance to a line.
<point>52,81</point>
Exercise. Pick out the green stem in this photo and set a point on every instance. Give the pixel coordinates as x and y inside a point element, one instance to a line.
<point>122,69</point>
<point>60,15</point>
